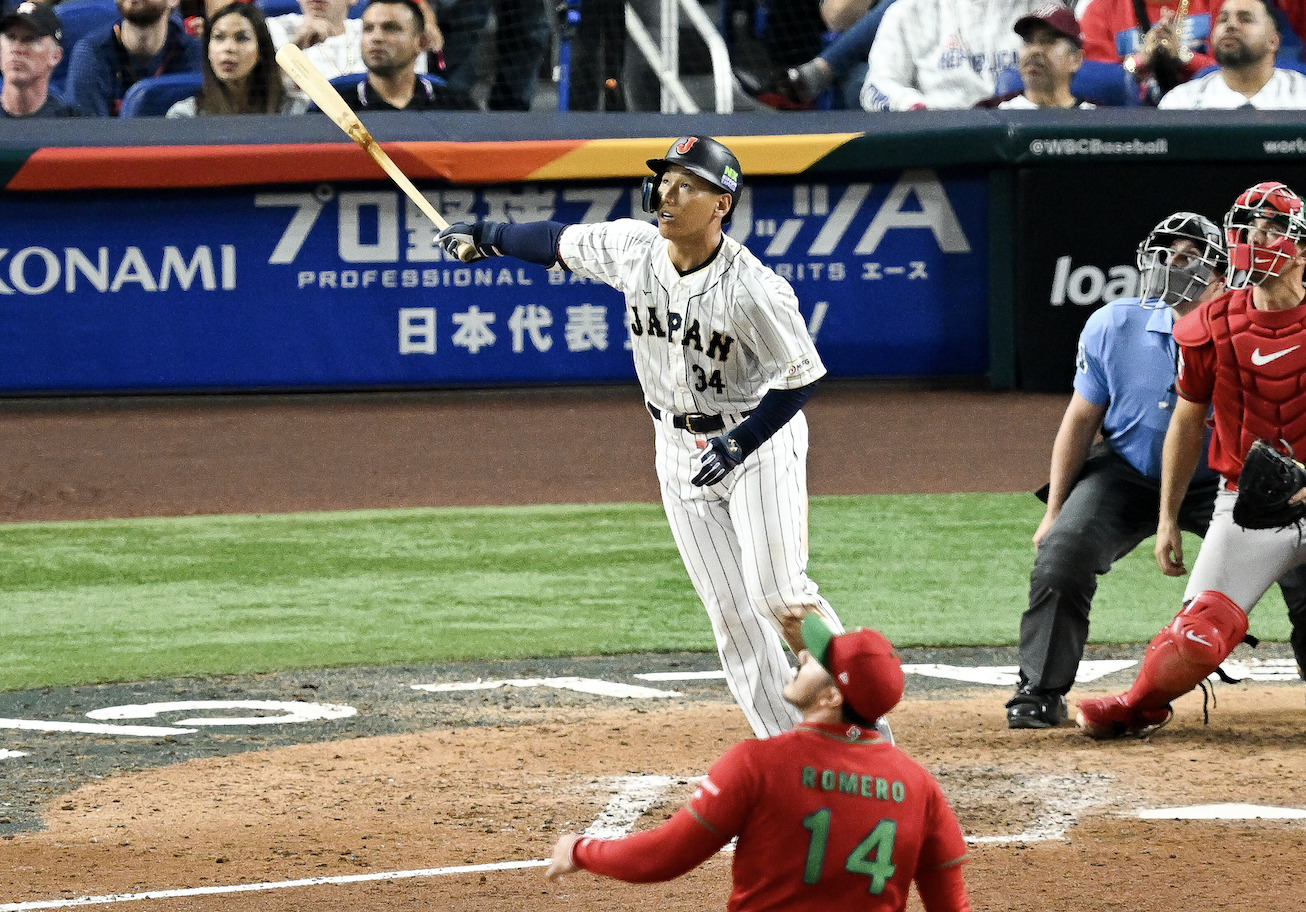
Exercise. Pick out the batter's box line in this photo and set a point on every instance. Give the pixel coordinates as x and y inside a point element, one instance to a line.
<point>270,885</point>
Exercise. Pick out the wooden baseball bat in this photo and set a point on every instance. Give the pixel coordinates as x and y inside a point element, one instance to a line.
<point>324,95</point>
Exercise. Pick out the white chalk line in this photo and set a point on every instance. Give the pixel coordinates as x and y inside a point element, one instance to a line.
<point>632,796</point>
<point>270,885</point>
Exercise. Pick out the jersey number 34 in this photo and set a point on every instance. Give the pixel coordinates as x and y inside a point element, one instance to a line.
<point>703,381</point>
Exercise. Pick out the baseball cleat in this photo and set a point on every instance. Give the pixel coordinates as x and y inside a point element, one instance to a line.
<point>1032,707</point>
<point>1105,718</point>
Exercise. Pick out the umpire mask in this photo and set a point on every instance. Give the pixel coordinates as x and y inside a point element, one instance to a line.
<point>1177,261</point>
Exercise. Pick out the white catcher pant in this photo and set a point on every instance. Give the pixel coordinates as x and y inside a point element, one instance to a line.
<point>744,543</point>
<point>1243,563</point>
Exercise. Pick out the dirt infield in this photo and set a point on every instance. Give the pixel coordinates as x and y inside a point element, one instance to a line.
<point>448,801</point>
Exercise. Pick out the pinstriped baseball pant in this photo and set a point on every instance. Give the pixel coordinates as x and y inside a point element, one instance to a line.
<point>744,543</point>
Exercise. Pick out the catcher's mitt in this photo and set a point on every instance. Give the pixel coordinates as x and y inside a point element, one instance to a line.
<point>1267,480</point>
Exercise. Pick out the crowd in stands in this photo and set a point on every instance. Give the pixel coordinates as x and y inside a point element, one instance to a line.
<point>382,54</point>
<point>876,55</point>
<point>902,55</point>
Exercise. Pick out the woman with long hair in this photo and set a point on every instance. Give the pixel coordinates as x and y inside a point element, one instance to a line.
<point>240,68</point>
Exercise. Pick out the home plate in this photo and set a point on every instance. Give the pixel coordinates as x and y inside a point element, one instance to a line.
<point>1223,812</point>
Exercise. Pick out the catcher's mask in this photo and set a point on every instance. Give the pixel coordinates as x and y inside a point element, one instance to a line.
<point>701,155</point>
<point>1263,230</point>
<point>1178,259</point>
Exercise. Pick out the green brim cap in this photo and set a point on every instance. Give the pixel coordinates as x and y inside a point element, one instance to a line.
<point>816,637</point>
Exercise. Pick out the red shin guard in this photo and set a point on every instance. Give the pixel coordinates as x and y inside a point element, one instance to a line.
<point>1200,637</point>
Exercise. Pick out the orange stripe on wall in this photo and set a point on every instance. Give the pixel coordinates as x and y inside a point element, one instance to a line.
<point>163,167</point>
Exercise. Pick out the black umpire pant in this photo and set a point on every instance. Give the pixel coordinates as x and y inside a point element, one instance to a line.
<point>1110,511</point>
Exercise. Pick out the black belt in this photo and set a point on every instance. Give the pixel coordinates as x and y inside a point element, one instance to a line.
<point>696,423</point>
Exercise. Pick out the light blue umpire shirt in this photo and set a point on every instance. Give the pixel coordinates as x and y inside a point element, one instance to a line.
<point>1126,361</point>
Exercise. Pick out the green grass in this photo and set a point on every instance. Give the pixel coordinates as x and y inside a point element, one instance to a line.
<point>126,600</point>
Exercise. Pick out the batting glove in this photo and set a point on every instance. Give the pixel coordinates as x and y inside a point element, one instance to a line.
<point>472,242</point>
<point>720,457</point>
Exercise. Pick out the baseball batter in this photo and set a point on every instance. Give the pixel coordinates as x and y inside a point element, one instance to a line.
<point>725,363</point>
<point>1245,353</point>
<point>828,816</point>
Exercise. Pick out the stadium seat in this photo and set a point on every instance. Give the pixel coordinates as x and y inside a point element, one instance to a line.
<point>346,83</point>
<point>152,97</point>
<point>272,8</point>
<point>1008,80</point>
<point>1104,84</point>
<point>79,18</point>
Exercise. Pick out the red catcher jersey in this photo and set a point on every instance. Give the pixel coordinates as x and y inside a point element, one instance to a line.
<point>827,820</point>
<point>1252,365</point>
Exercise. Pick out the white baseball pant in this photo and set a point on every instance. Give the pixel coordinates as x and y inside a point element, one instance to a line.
<point>744,543</point>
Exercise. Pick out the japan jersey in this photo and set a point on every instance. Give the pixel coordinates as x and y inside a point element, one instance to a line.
<point>712,341</point>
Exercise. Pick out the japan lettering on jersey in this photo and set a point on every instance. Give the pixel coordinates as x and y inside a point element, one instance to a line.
<point>1252,365</point>
<point>835,819</point>
<point>713,341</point>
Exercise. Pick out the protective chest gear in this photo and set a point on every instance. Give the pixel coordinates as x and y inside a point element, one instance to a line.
<point>699,155</point>
<point>1176,261</point>
<point>1260,387</point>
<point>1262,231</point>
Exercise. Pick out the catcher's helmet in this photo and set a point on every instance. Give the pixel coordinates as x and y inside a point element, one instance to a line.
<point>701,155</point>
<point>1170,276</point>
<point>1263,229</point>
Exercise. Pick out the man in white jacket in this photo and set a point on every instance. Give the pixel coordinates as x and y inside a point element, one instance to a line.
<point>942,53</point>
<point>1245,40</point>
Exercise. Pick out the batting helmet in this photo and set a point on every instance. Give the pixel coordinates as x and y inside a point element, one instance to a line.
<point>1263,230</point>
<point>701,155</point>
<point>1171,271</point>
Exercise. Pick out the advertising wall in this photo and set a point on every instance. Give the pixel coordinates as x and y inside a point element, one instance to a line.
<point>153,254</point>
<point>342,285</point>
<point>1079,229</point>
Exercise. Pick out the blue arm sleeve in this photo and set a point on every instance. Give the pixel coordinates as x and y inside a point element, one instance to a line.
<point>774,411</point>
<point>534,242</point>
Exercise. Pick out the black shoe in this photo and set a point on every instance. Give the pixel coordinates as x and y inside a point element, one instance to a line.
<point>771,89</point>
<point>1033,707</point>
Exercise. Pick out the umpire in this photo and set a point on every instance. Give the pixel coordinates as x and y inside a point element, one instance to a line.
<point>1104,499</point>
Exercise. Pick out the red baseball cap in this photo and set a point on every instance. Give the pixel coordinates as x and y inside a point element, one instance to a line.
<point>862,662</point>
<point>1057,17</point>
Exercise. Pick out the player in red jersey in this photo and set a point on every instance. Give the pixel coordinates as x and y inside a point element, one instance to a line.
<point>829,815</point>
<point>1245,353</point>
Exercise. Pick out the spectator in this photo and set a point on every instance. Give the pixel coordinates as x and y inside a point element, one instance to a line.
<point>1050,57</point>
<point>324,32</point>
<point>240,68</point>
<point>1245,40</point>
<point>844,60</point>
<point>30,49</point>
<point>146,41</point>
<point>942,53</point>
<point>1144,38</point>
<point>806,840</point>
<point>522,39</point>
<point>394,38</point>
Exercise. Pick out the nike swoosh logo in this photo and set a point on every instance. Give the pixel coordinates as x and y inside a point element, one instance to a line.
<point>1195,638</point>
<point>1260,360</point>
